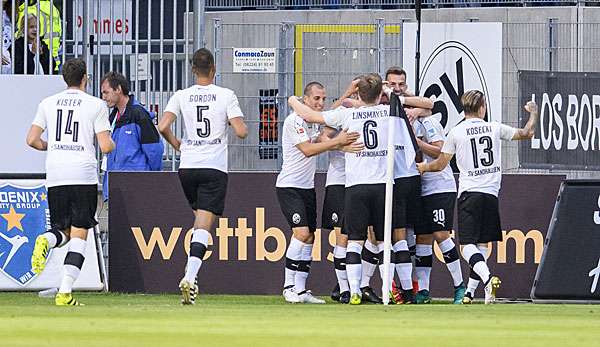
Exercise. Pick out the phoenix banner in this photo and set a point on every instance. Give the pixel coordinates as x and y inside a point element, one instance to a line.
<point>150,229</point>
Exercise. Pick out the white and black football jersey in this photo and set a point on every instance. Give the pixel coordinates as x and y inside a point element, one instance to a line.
<point>476,144</point>
<point>371,122</point>
<point>206,111</point>
<point>297,170</point>
<point>430,130</point>
<point>72,119</point>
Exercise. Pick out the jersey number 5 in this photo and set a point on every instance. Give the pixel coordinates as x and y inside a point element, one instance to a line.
<point>487,150</point>
<point>203,129</point>
<point>71,128</point>
<point>370,135</point>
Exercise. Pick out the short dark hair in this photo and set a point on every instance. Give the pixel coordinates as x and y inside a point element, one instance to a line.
<point>369,87</point>
<point>309,87</point>
<point>395,70</point>
<point>74,71</point>
<point>472,101</point>
<point>203,62</point>
<point>116,80</point>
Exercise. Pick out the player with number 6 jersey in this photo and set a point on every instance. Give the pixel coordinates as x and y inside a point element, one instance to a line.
<point>73,119</point>
<point>206,110</point>
<point>365,170</point>
<point>477,146</point>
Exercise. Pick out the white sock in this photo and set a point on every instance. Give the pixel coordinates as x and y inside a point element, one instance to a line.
<point>51,239</point>
<point>411,240</point>
<point>368,269</point>
<point>472,286</point>
<point>194,263</point>
<point>404,270</point>
<point>301,276</point>
<point>423,269</point>
<point>53,242</point>
<point>480,267</point>
<point>354,270</point>
<point>454,264</point>
<point>339,255</point>
<point>293,253</point>
<point>483,250</point>
<point>72,270</point>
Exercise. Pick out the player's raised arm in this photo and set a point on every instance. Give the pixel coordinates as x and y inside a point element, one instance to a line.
<point>351,90</point>
<point>34,138</point>
<point>305,112</point>
<point>529,130</point>
<point>418,102</point>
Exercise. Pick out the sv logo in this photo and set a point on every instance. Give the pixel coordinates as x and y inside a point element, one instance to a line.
<point>448,93</point>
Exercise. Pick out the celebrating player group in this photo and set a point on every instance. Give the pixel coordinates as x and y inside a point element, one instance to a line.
<point>354,132</point>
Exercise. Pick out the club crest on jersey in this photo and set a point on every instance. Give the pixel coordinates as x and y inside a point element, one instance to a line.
<point>296,218</point>
<point>300,131</point>
<point>24,215</point>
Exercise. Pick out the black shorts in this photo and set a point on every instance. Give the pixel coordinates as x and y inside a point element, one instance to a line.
<point>438,212</point>
<point>365,206</point>
<point>299,206</point>
<point>333,208</point>
<point>478,218</point>
<point>73,206</point>
<point>408,203</point>
<point>204,189</point>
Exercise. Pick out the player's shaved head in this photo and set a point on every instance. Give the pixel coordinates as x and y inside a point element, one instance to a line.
<point>308,90</point>
<point>74,71</point>
<point>203,63</point>
<point>314,96</point>
<point>369,87</point>
<point>472,101</point>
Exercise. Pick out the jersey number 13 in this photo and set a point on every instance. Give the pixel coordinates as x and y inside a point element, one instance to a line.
<point>488,158</point>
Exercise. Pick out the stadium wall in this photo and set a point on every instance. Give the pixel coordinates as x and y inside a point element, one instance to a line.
<point>538,38</point>
<point>150,225</point>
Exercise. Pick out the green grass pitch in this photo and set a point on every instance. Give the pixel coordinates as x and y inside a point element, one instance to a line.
<point>159,320</point>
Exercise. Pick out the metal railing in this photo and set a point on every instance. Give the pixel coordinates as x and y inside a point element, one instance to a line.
<point>216,5</point>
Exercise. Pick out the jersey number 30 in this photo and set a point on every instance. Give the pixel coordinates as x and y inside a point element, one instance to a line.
<point>486,141</point>
<point>203,129</point>
<point>71,128</point>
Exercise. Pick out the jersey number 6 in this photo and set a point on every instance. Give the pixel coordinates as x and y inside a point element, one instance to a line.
<point>370,135</point>
<point>203,131</point>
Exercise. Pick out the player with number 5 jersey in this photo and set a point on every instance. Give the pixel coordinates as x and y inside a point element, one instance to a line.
<point>206,111</point>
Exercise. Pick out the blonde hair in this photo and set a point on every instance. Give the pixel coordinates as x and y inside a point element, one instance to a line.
<point>21,32</point>
<point>472,101</point>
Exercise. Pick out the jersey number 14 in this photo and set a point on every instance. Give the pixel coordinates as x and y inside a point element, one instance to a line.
<point>71,128</point>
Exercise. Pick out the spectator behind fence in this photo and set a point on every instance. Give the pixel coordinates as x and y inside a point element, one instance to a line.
<point>138,145</point>
<point>33,67</point>
<point>56,28</point>
<point>7,36</point>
